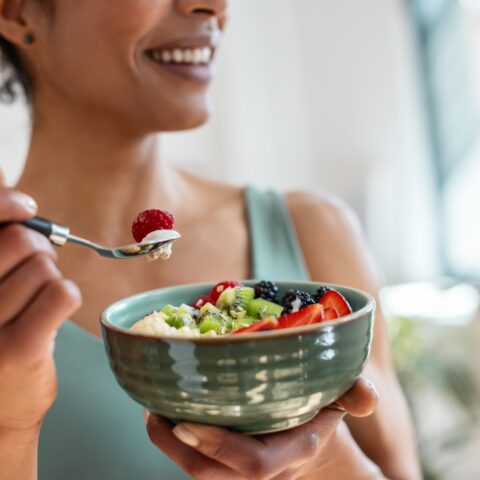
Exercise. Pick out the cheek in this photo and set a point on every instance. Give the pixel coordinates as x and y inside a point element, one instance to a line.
<point>95,58</point>
<point>91,36</point>
<point>90,44</point>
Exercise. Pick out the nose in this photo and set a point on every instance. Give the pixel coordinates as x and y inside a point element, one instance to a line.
<point>212,8</point>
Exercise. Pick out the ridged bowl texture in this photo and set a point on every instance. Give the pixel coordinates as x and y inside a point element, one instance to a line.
<point>253,383</point>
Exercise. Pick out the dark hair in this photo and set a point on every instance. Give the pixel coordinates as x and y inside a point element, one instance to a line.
<point>13,76</point>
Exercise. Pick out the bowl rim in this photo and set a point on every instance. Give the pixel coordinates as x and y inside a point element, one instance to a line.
<point>222,339</point>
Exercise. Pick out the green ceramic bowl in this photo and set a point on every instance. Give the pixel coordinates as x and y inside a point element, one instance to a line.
<point>253,383</point>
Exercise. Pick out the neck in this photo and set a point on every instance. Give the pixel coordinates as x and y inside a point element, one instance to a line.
<point>96,180</point>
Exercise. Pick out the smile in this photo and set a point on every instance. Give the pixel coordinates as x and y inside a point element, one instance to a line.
<point>185,56</point>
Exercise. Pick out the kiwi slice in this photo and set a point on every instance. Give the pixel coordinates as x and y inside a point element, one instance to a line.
<point>242,322</point>
<point>174,319</point>
<point>236,302</point>
<point>209,308</point>
<point>237,297</point>
<point>227,298</point>
<point>211,321</point>
<point>169,310</point>
<point>260,308</point>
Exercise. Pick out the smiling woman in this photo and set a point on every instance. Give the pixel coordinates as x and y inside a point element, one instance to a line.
<point>102,84</point>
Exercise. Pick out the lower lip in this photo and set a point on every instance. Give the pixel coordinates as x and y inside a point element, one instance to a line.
<point>192,73</point>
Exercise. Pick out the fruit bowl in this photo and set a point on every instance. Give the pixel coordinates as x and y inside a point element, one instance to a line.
<point>252,383</point>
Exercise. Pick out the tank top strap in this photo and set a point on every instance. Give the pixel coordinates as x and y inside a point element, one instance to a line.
<point>276,252</point>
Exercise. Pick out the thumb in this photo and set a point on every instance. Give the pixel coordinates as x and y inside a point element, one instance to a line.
<point>361,400</point>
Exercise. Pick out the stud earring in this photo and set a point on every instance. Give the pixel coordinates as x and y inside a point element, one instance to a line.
<point>28,39</point>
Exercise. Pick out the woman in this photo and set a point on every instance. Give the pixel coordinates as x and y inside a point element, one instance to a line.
<point>103,78</point>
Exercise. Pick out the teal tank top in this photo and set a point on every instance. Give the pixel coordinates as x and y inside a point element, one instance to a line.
<point>94,431</point>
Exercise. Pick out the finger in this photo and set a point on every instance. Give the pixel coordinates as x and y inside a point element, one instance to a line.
<point>297,446</point>
<point>190,461</point>
<point>361,400</point>
<point>18,243</point>
<point>3,180</point>
<point>19,288</point>
<point>15,205</point>
<point>248,456</point>
<point>35,328</point>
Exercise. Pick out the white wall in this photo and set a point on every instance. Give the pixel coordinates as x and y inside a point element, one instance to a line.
<point>315,93</point>
<point>14,127</point>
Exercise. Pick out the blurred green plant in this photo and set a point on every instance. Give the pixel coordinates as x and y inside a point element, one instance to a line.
<point>426,365</point>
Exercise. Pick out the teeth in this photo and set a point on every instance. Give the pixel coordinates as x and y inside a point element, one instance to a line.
<point>188,56</point>
<point>166,57</point>
<point>197,56</point>
<point>194,56</point>
<point>177,56</point>
<point>207,54</point>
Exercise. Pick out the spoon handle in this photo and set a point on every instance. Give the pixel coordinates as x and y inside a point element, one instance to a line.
<point>57,234</point>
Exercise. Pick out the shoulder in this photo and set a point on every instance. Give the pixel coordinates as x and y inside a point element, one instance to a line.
<point>331,238</point>
<point>321,213</point>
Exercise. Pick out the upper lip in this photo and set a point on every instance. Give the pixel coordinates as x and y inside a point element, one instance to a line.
<point>211,40</point>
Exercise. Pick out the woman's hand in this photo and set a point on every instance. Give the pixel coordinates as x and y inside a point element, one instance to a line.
<point>322,448</point>
<point>34,300</point>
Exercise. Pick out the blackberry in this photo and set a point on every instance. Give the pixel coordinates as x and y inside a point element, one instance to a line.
<point>320,293</point>
<point>267,291</point>
<point>295,300</point>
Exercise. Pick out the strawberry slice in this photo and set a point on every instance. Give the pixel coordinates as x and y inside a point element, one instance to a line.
<point>221,287</point>
<point>335,300</point>
<point>331,314</point>
<point>270,323</point>
<point>306,316</point>
<point>201,301</point>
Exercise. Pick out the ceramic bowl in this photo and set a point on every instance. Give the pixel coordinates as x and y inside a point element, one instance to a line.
<point>252,383</point>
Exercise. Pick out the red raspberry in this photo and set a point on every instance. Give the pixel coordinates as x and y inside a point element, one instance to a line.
<point>200,302</point>
<point>149,221</point>
<point>220,287</point>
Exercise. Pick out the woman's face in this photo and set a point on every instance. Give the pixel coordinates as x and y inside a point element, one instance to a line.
<point>144,63</point>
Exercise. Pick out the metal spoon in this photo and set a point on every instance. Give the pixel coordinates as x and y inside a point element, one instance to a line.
<point>60,235</point>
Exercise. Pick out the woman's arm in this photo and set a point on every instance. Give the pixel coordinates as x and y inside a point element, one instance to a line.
<point>34,300</point>
<point>336,252</point>
<point>18,454</point>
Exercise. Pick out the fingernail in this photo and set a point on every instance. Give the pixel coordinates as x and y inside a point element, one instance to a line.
<point>31,204</point>
<point>186,436</point>
<point>371,386</point>
<point>146,416</point>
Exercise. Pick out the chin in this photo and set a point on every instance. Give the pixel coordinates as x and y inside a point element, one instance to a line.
<point>184,120</point>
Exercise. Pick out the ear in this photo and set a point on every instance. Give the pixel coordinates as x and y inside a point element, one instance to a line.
<point>13,23</point>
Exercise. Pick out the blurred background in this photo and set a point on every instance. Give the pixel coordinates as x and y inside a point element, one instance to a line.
<point>377,101</point>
